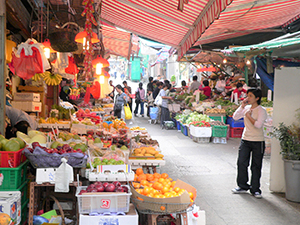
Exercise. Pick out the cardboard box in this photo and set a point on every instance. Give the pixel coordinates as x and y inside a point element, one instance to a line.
<point>27,106</point>
<point>27,96</point>
<point>10,203</point>
<point>131,218</point>
<point>164,205</point>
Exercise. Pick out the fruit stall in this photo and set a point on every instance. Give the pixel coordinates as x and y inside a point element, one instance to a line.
<point>106,174</point>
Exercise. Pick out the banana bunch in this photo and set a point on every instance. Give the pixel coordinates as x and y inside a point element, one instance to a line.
<point>37,76</point>
<point>52,79</point>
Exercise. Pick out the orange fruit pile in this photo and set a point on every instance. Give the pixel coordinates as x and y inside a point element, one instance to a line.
<point>156,185</point>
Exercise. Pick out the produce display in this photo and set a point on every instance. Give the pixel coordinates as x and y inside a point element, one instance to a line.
<point>105,187</point>
<point>157,185</point>
<point>147,152</point>
<point>11,145</point>
<point>33,136</point>
<point>43,157</point>
<point>215,111</point>
<point>148,141</point>
<point>86,117</point>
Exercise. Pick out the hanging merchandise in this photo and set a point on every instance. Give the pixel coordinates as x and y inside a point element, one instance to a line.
<point>62,65</point>
<point>74,93</point>
<point>95,90</point>
<point>72,67</point>
<point>28,60</point>
<point>87,94</point>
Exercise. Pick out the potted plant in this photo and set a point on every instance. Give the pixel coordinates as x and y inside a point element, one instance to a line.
<point>173,79</point>
<point>289,138</point>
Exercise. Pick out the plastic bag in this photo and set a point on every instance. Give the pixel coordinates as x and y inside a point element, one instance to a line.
<point>26,66</point>
<point>158,100</point>
<point>128,114</point>
<point>64,174</point>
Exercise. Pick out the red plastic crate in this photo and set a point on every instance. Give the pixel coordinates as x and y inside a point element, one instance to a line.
<point>236,132</point>
<point>11,159</point>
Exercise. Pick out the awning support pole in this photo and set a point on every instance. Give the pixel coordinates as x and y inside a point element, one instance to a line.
<point>2,64</point>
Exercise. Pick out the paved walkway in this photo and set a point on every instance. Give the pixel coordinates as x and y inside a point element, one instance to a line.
<point>211,169</point>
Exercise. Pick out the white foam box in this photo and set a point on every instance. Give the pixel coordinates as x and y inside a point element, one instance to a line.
<point>44,175</point>
<point>27,96</point>
<point>28,106</point>
<point>131,218</point>
<point>10,203</point>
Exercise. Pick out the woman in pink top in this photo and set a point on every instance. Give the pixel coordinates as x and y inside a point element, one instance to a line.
<point>139,99</point>
<point>252,143</point>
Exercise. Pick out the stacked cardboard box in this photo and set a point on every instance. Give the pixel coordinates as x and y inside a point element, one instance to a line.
<point>27,101</point>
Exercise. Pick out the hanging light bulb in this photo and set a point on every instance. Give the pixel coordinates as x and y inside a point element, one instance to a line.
<point>101,79</point>
<point>224,60</point>
<point>81,37</point>
<point>99,68</point>
<point>47,52</point>
<point>248,62</point>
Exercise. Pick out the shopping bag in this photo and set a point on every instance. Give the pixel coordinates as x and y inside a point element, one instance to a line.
<point>128,114</point>
<point>158,100</point>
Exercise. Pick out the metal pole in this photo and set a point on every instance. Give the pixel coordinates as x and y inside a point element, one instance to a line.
<point>2,64</point>
<point>246,74</point>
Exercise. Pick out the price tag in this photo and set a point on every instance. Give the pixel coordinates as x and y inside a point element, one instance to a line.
<point>269,97</point>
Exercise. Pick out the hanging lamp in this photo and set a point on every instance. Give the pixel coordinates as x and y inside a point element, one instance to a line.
<point>81,37</point>
<point>99,63</point>
<point>47,48</point>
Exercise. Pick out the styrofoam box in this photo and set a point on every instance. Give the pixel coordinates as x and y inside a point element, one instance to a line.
<point>47,175</point>
<point>219,140</point>
<point>27,96</point>
<point>200,131</point>
<point>10,202</point>
<point>131,218</point>
<point>27,106</point>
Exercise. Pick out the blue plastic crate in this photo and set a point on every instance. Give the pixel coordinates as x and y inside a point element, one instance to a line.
<point>235,123</point>
<point>178,125</point>
<point>184,129</point>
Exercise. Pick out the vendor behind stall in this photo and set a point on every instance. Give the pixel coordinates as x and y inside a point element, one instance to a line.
<point>19,121</point>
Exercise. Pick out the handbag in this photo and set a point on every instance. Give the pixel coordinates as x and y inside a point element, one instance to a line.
<point>118,107</point>
<point>158,100</point>
<point>137,97</point>
<point>127,111</point>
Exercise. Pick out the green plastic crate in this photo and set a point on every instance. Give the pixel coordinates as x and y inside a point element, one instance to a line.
<point>218,118</point>
<point>24,212</point>
<point>23,189</point>
<point>13,178</point>
<point>219,131</point>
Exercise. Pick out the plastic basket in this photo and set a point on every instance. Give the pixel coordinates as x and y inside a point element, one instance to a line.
<point>102,201</point>
<point>24,212</point>
<point>218,118</point>
<point>13,178</point>
<point>201,140</point>
<point>219,140</point>
<point>236,132</point>
<point>200,131</point>
<point>178,125</point>
<point>184,129</point>
<point>235,123</point>
<point>11,159</point>
<point>219,131</point>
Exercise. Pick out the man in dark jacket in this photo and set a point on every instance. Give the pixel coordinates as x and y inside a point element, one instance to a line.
<point>157,89</point>
<point>150,85</point>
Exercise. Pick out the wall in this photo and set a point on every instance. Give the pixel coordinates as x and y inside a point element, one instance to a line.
<point>286,101</point>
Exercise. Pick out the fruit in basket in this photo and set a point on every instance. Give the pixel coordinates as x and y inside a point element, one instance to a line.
<point>117,183</point>
<point>110,188</point>
<point>119,189</point>
<point>81,146</point>
<point>105,184</point>
<point>3,142</point>
<point>21,142</point>
<point>11,146</point>
<point>2,137</point>
<point>97,140</point>
<point>99,187</point>
<point>55,144</point>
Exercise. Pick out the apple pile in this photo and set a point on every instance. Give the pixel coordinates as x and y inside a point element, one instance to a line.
<point>59,149</point>
<point>105,187</point>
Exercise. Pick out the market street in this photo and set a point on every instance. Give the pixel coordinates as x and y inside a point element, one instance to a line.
<point>211,169</point>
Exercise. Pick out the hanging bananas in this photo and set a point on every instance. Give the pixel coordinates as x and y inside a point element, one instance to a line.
<point>52,79</point>
<point>37,77</point>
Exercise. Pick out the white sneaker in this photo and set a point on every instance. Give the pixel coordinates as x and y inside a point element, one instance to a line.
<point>257,195</point>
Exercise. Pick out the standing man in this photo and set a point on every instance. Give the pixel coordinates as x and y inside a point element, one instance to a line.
<point>194,85</point>
<point>112,94</point>
<point>127,91</point>
<point>157,89</point>
<point>150,85</point>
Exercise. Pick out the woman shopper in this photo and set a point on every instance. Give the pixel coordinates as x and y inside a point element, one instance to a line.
<point>165,113</point>
<point>121,100</point>
<point>139,99</point>
<point>252,143</point>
